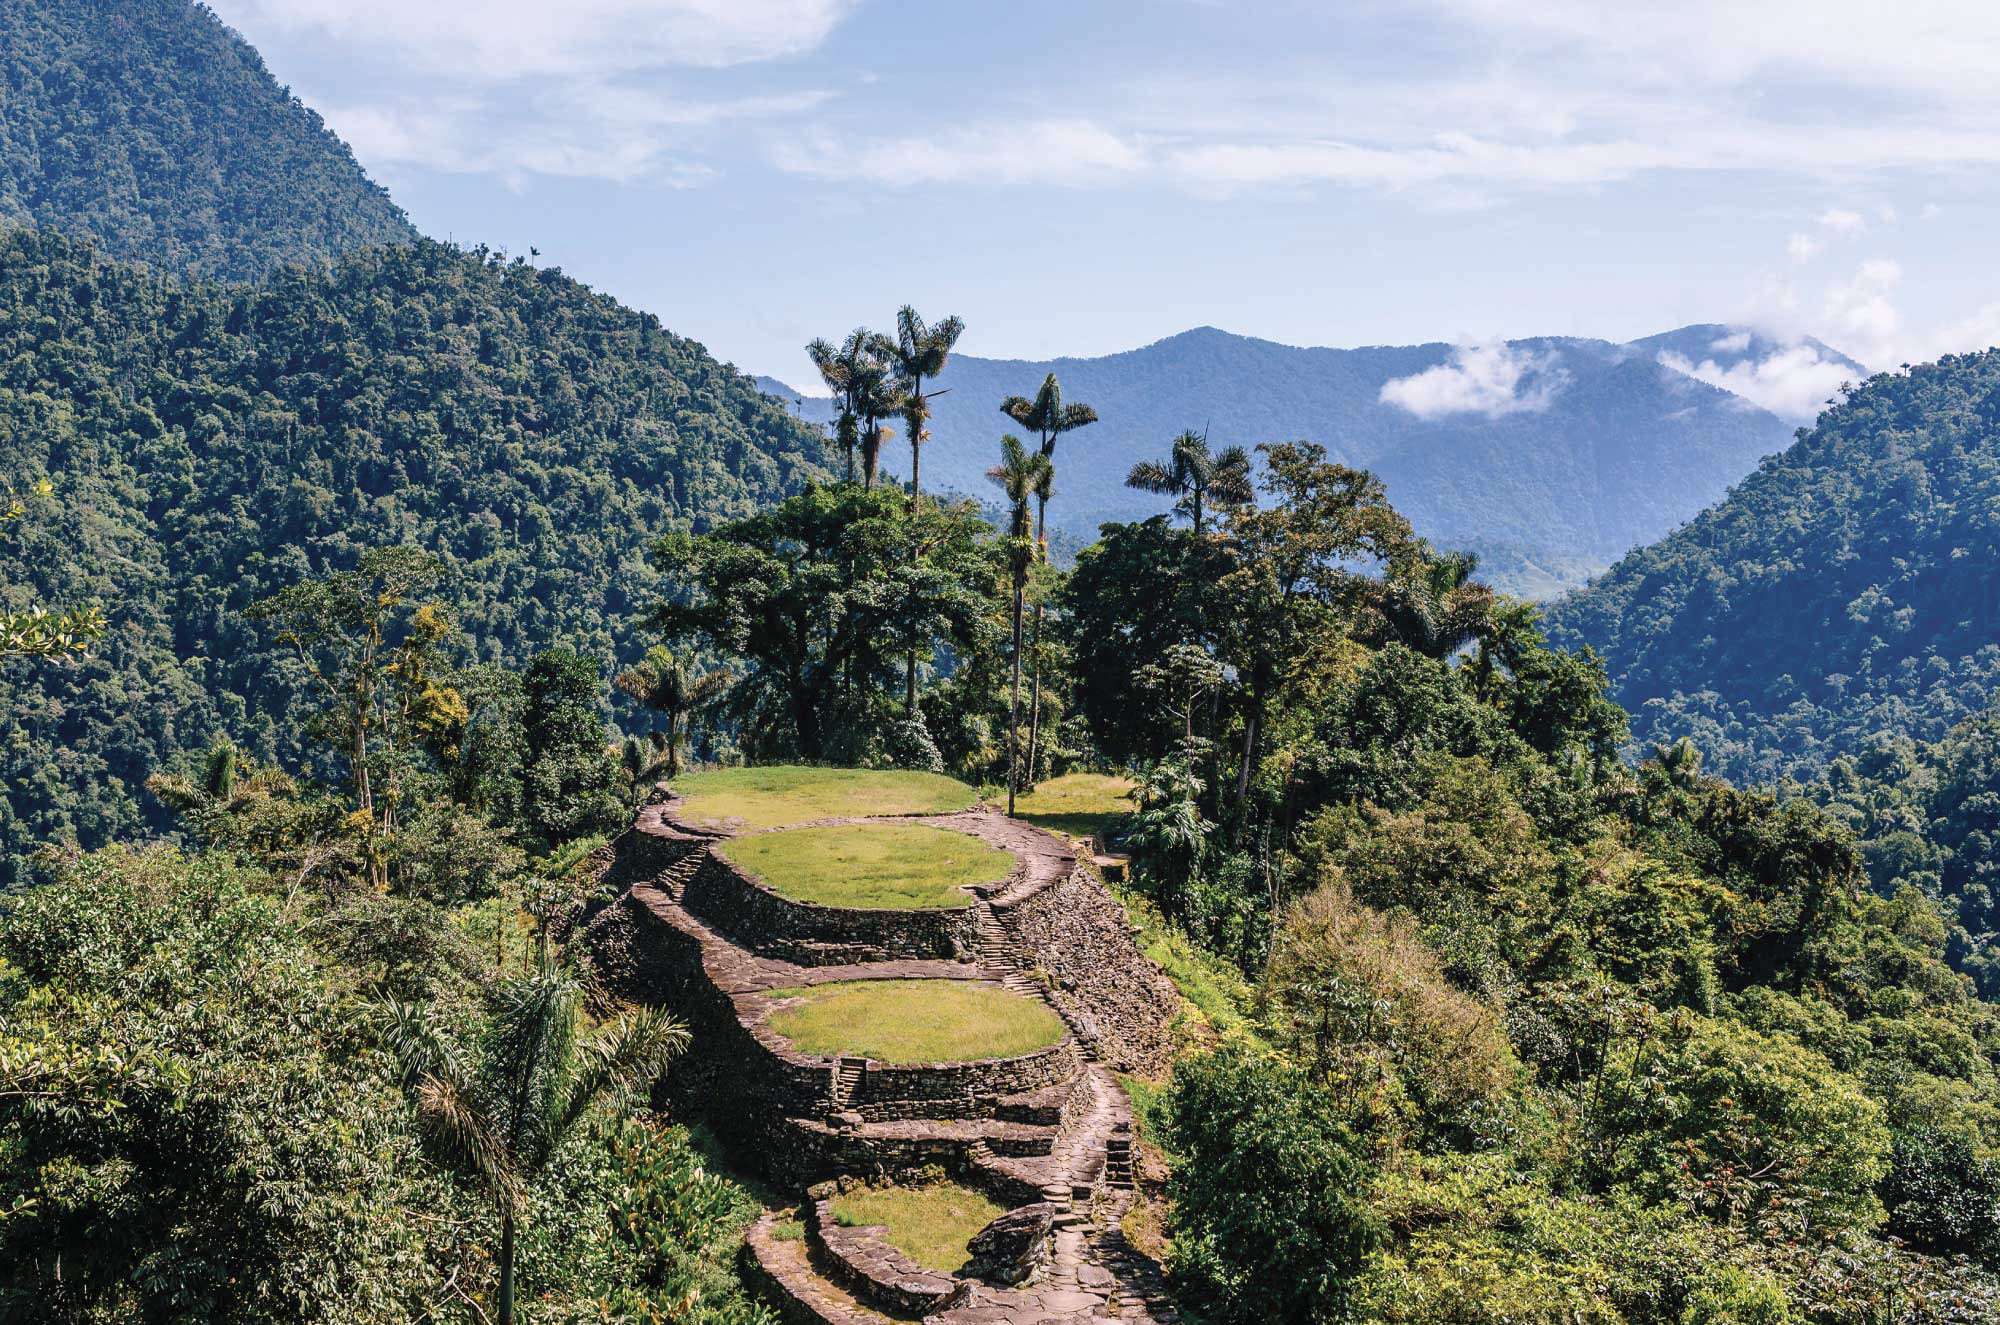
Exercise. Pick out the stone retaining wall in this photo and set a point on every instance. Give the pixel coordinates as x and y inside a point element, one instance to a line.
<point>765,921</point>
<point>1076,934</point>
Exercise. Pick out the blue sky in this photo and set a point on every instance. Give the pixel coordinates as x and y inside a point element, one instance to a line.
<point>1089,176</point>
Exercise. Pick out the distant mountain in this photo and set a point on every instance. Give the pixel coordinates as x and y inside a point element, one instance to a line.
<point>153,128</point>
<point>1549,457</point>
<point>1846,593</point>
<point>210,444</point>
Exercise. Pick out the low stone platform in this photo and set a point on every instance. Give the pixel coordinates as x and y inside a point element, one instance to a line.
<point>1042,1132</point>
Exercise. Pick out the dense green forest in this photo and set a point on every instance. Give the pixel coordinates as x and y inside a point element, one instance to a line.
<point>154,128</point>
<point>1843,593</point>
<point>1490,1025</point>
<point>207,445</point>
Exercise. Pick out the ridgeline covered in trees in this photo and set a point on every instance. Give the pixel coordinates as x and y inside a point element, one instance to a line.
<point>211,444</point>
<point>1845,591</point>
<point>154,128</point>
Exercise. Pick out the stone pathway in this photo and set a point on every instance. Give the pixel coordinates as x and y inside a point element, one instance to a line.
<point>1080,1167</point>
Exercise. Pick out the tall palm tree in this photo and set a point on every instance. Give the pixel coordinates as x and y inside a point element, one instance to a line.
<point>919,352</point>
<point>1196,477</point>
<point>498,1109</point>
<point>839,367</point>
<point>1050,416</point>
<point>1021,475</point>
<point>662,682</point>
<point>877,398</point>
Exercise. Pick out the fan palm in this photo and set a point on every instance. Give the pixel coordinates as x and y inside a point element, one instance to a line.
<point>497,1110</point>
<point>918,353</point>
<point>1436,607</point>
<point>1196,477</point>
<point>1021,475</point>
<point>662,682</point>
<point>1050,416</point>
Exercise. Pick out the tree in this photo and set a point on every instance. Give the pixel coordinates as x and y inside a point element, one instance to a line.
<point>365,647</point>
<point>191,1128</point>
<point>918,353</point>
<point>838,369</point>
<point>662,682</point>
<point>1296,580</point>
<point>38,631</point>
<point>1432,604</point>
<point>817,598</point>
<point>1019,474</point>
<point>1269,1222</point>
<point>1197,477</point>
<point>496,1110</point>
<point>1050,416</point>
<point>569,779</point>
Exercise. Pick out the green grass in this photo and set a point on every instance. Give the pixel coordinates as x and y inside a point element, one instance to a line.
<point>893,867</point>
<point>929,1224</point>
<point>915,1021</point>
<point>1211,986</point>
<point>774,797</point>
<point>1077,804</point>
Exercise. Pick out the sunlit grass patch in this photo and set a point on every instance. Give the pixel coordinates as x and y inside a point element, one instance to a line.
<point>930,1224</point>
<point>895,867</point>
<point>1078,804</point>
<point>788,794</point>
<point>915,1021</point>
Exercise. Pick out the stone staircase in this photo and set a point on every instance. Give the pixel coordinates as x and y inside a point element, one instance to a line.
<point>847,1074</point>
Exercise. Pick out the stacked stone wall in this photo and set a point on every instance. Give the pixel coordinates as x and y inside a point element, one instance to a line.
<point>757,917</point>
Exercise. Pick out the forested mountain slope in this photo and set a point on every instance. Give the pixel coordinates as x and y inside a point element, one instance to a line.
<point>153,127</point>
<point>210,444</point>
<point>1597,448</point>
<point>1846,589</point>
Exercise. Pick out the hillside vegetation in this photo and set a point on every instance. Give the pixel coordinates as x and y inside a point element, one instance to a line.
<point>209,445</point>
<point>1845,592</point>
<point>154,128</point>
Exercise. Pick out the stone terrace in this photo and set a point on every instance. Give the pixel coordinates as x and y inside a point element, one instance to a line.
<point>1047,1133</point>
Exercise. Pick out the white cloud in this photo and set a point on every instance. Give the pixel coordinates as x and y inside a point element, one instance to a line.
<point>518,88</point>
<point>1492,380</point>
<point>1843,221</point>
<point>1803,248</point>
<point>1734,343</point>
<point>600,132</point>
<point>497,40</point>
<point>1792,383</point>
<point>1050,151</point>
<point>1861,315</point>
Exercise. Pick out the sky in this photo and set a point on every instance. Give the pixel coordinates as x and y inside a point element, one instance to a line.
<point>1079,177</point>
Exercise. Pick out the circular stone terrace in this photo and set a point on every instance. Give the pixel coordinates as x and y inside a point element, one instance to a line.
<point>875,1006</point>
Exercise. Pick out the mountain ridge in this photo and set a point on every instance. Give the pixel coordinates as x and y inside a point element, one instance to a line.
<point>1611,448</point>
<point>154,128</point>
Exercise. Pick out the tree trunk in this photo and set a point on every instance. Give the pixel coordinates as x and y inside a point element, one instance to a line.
<point>507,1268</point>
<point>1035,704</point>
<point>1249,753</point>
<point>1014,706</point>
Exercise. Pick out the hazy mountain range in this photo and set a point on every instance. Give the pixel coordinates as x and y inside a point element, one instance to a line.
<point>1551,457</point>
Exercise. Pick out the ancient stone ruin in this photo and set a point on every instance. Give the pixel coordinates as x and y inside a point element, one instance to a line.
<point>1045,1134</point>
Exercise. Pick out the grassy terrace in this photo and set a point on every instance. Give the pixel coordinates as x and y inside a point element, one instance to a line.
<point>929,1224</point>
<point>1076,803</point>
<point>895,867</point>
<point>733,798</point>
<point>915,1021</point>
